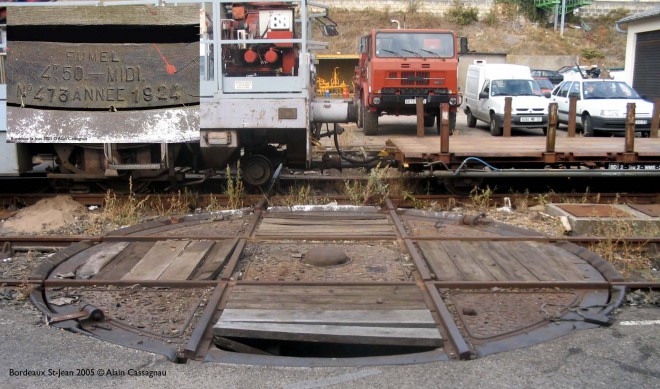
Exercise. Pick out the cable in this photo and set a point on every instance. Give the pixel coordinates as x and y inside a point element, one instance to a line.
<point>475,159</point>
<point>349,159</point>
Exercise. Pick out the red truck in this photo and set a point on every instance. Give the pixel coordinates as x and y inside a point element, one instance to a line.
<point>397,66</point>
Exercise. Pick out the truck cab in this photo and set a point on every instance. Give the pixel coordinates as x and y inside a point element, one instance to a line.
<point>397,66</point>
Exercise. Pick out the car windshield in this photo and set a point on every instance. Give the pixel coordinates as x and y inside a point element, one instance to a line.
<point>414,44</point>
<point>515,88</point>
<point>608,90</point>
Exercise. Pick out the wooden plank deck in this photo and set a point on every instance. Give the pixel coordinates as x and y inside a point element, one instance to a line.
<point>289,226</point>
<point>377,315</point>
<point>503,261</point>
<point>522,146</point>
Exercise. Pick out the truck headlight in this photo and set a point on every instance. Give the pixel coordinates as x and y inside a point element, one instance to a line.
<point>376,100</point>
<point>453,101</point>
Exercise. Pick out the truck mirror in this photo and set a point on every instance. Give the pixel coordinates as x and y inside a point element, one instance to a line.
<point>483,95</point>
<point>463,41</point>
<point>328,30</point>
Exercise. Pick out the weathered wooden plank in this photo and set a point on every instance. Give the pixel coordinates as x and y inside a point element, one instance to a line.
<point>326,297</point>
<point>410,318</point>
<point>508,263</point>
<point>532,261</point>
<point>520,146</point>
<point>334,222</point>
<point>98,257</point>
<point>440,262</point>
<point>216,258</point>
<point>330,333</point>
<point>486,260</point>
<point>143,15</point>
<point>154,263</point>
<point>560,261</point>
<point>325,215</point>
<point>27,125</point>
<point>102,75</point>
<point>125,261</point>
<point>465,262</point>
<point>187,262</point>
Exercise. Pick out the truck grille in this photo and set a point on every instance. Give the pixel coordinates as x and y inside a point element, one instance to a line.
<point>410,78</point>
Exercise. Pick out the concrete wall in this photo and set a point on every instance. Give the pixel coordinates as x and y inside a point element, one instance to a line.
<point>597,8</point>
<point>548,62</point>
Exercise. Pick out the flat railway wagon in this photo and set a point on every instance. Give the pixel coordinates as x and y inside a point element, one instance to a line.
<point>463,162</point>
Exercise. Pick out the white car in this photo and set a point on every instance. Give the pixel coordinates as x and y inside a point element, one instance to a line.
<point>602,105</point>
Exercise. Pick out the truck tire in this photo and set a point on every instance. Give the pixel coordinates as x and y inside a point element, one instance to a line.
<point>471,120</point>
<point>370,122</point>
<point>360,114</point>
<point>495,128</point>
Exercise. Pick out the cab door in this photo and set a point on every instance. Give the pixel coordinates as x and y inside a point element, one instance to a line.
<point>483,105</point>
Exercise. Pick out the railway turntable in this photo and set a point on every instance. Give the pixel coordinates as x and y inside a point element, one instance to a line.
<point>326,286</point>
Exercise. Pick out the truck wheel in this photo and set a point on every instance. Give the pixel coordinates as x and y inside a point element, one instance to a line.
<point>429,120</point>
<point>495,128</point>
<point>370,122</point>
<point>471,120</point>
<point>587,126</point>
<point>360,114</point>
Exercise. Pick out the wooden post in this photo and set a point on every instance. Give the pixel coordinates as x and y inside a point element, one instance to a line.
<point>572,107</point>
<point>630,129</point>
<point>552,128</point>
<point>655,121</point>
<point>444,128</point>
<point>507,116</point>
<point>420,116</point>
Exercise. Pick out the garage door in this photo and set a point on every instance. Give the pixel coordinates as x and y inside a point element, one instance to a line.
<point>647,63</point>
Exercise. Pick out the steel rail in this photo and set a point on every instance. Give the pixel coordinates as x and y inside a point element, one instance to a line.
<point>447,320</point>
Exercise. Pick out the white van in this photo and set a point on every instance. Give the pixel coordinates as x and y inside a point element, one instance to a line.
<point>486,87</point>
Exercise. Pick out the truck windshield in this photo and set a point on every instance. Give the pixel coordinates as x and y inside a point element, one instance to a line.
<point>515,88</point>
<point>414,44</point>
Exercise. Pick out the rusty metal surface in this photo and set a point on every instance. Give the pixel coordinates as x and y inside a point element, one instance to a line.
<point>103,76</point>
<point>283,261</point>
<point>652,210</point>
<point>497,313</point>
<point>177,125</point>
<point>593,210</point>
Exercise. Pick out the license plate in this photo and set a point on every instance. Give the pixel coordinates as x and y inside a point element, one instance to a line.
<point>414,101</point>
<point>533,119</point>
<point>640,121</point>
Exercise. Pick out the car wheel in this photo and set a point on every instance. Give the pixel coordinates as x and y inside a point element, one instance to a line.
<point>587,126</point>
<point>495,128</point>
<point>370,122</point>
<point>471,120</point>
<point>429,120</point>
<point>545,130</point>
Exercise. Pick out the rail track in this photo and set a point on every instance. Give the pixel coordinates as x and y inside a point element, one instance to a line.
<point>409,286</point>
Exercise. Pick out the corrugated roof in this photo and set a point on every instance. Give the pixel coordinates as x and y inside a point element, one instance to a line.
<point>653,12</point>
